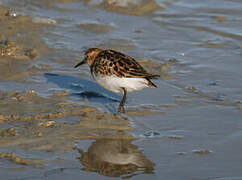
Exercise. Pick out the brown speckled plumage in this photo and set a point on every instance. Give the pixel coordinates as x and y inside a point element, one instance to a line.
<point>125,73</point>
<point>110,62</point>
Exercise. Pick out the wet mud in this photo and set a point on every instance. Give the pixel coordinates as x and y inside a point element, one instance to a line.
<point>138,8</point>
<point>56,122</point>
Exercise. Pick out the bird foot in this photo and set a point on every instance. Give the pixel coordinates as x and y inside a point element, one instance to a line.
<point>121,110</point>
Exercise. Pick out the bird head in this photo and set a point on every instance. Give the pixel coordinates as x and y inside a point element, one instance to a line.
<point>89,57</point>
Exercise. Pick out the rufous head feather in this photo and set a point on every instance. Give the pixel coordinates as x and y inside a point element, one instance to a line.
<point>90,56</point>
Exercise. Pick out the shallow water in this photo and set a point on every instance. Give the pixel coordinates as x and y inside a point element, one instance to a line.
<point>58,123</point>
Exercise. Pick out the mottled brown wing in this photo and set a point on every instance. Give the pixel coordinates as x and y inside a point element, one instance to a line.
<point>111,62</point>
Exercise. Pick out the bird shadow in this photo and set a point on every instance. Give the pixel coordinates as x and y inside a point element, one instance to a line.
<point>84,89</point>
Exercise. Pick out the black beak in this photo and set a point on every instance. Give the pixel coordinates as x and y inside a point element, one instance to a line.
<point>81,63</point>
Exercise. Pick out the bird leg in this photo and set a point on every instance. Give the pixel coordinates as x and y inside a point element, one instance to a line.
<point>121,105</point>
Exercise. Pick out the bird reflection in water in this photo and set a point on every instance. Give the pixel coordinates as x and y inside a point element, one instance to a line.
<point>115,158</point>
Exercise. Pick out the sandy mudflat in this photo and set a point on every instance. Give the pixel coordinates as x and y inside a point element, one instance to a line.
<point>56,122</point>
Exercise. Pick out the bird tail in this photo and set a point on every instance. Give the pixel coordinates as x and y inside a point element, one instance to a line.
<point>154,76</point>
<point>151,84</point>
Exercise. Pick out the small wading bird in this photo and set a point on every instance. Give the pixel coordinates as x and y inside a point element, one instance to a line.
<point>117,72</point>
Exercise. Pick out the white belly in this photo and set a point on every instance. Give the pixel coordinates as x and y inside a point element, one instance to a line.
<point>115,84</point>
